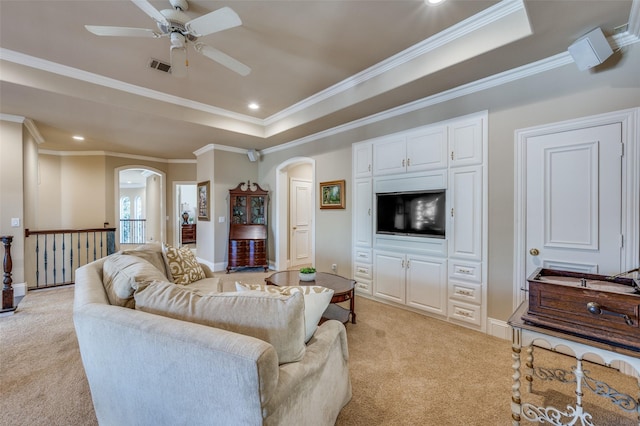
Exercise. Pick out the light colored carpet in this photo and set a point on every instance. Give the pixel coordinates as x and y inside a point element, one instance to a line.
<point>406,369</point>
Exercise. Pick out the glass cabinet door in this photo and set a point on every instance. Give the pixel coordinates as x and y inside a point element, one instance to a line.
<point>257,210</point>
<point>239,210</point>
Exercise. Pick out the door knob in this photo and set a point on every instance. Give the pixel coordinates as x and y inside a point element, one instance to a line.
<point>534,252</point>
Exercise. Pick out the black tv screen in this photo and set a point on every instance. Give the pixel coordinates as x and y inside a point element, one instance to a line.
<point>420,213</point>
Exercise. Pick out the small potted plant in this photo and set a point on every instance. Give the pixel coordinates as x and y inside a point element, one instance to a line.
<point>307,274</point>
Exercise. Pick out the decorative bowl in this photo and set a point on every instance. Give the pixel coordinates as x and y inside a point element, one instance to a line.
<point>307,277</point>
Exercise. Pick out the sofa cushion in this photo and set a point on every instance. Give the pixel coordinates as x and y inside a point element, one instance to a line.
<point>182,264</point>
<point>121,275</point>
<point>275,320</point>
<point>316,300</point>
<point>152,253</point>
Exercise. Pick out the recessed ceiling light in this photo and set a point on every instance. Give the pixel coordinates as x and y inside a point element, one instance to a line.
<point>78,138</point>
<point>254,105</point>
<point>434,2</point>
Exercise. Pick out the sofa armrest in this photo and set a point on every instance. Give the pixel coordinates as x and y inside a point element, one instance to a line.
<point>327,355</point>
<point>207,267</point>
<point>148,369</point>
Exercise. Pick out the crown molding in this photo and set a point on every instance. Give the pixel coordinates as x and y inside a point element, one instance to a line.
<point>114,154</point>
<point>12,118</point>
<point>213,147</point>
<point>27,122</point>
<point>77,74</point>
<point>457,31</point>
<point>33,129</point>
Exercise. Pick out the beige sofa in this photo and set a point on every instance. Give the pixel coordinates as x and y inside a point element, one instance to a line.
<point>150,369</point>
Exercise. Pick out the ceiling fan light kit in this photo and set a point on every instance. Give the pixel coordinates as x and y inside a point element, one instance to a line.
<point>181,29</point>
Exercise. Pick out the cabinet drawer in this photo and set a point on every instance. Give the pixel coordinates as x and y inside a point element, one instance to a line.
<point>466,271</point>
<point>363,286</point>
<point>363,271</point>
<point>465,292</point>
<point>363,255</point>
<point>465,312</point>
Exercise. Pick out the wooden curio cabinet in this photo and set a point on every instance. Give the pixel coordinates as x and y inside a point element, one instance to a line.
<point>248,226</point>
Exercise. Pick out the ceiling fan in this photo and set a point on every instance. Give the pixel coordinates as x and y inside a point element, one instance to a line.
<point>181,29</point>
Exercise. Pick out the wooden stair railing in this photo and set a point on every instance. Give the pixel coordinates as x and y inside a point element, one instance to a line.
<point>7,265</point>
<point>58,253</point>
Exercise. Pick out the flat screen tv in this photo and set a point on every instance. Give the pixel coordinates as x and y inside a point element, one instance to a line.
<point>417,213</point>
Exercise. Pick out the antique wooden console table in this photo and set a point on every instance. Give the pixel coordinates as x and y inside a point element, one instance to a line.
<point>525,335</point>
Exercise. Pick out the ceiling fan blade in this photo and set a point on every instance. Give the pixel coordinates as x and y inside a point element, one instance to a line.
<point>179,62</point>
<point>122,31</point>
<point>218,20</point>
<point>146,7</point>
<point>222,59</point>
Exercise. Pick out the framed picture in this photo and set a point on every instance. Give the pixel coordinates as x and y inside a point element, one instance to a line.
<point>204,201</point>
<point>332,195</point>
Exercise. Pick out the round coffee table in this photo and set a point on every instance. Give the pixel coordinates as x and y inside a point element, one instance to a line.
<point>343,290</point>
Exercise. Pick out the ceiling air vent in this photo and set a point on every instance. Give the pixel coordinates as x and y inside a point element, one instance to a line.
<point>156,64</point>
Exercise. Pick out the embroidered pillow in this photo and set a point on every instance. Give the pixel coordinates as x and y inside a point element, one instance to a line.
<point>316,300</point>
<point>182,265</point>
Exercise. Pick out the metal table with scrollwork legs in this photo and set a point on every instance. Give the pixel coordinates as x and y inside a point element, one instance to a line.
<point>526,335</point>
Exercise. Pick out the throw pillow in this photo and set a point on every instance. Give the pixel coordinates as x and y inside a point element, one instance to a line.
<point>152,253</point>
<point>316,300</point>
<point>122,274</point>
<point>275,320</point>
<point>183,265</point>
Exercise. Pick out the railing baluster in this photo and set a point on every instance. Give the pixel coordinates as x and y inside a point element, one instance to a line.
<point>46,262</point>
<point>67,260</point>
<point>64,269</point>
<point>54,258</point>
<point>37,259</point>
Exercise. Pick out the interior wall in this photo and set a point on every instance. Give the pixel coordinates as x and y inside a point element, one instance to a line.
<point>333,227</point>
<point>11,193</point>
<point>81,206</point>
<point>231,168</point>
<point>49,193</point>
<point>154,206</point>
<point>205,231</point>
<point>555,95</point>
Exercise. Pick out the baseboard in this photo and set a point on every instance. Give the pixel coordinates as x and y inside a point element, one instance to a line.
<point>499,329</point>
<point>19,289</point>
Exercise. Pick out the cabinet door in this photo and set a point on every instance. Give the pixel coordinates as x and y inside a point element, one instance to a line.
<point>427,284</point>
<point>465,236</point>
<point>389,156</point>
<point>465,142</point>
<point>427,149</point>
<point>363,209</point>
<point>362,160</point>
<point>389,282</point>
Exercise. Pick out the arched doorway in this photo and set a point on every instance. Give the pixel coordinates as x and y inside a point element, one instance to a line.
<point>139,205</point>
<point>300,169</point>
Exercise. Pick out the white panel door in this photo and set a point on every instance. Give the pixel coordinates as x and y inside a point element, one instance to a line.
<point>465,230</point>
<point>427,284</point>
<point>362,159</point>
<point>389,276</point>
<point>427,149</point>
<point>465,142</point>
<point>300,219</point>
<point>574,205</point>
<point>389,156</point>
<point>363,226</point>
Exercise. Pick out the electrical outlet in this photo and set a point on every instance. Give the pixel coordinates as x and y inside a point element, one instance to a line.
<point>334,267</point>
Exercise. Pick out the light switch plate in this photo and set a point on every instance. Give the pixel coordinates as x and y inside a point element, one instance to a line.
<point>15,222</point>
<point>221,219</point>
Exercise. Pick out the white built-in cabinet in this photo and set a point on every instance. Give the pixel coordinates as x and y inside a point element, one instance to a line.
<point>412,280</point>
<point>441,277</point>
<point>423,149</point>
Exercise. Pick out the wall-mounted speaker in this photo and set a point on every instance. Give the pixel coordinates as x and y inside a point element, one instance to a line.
<point>590,50</point>
<point>253,155</point>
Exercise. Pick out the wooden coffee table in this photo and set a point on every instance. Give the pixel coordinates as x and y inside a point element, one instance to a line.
<point>343,290</point>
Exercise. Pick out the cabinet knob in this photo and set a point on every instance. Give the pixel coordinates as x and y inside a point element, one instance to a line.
<point>534,252</point>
